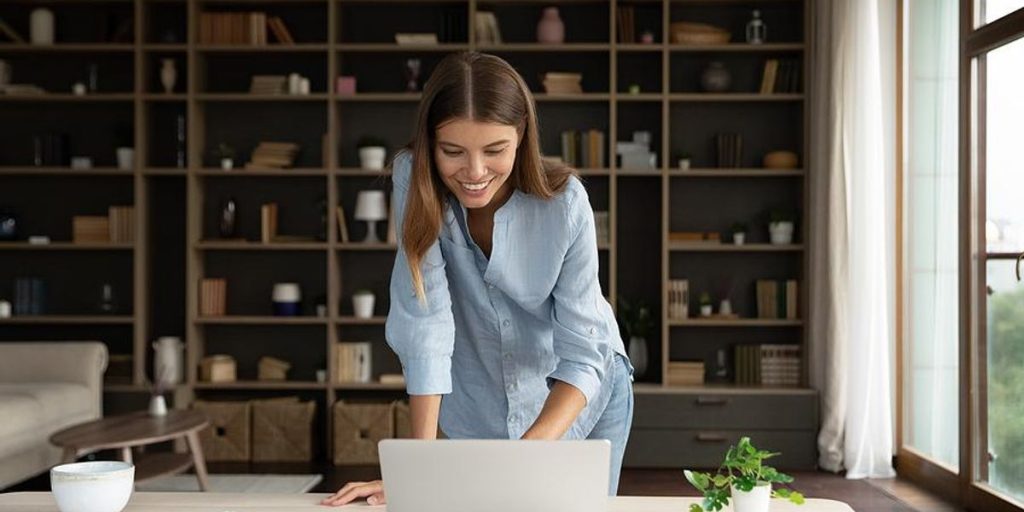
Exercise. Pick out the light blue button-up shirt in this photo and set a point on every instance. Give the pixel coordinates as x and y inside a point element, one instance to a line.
<point>494,335</point>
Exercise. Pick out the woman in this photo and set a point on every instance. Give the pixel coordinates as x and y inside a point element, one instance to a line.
<point>495,300</point>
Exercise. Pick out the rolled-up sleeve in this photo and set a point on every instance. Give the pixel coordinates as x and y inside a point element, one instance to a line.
<point>422,333</point>
<point>581,337</point>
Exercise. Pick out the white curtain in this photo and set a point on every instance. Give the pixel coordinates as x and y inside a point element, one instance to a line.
<point>851,166</point>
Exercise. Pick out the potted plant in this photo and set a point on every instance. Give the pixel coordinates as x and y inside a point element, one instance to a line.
<point>739,233</point>
<point>745,479</point>
<point>226,155</point>
<point>705,304</point>
<point>636,321</point>
<point>780,227</point>
<point>684,161</point>
<point>372,152</point>
<point>362,303</point>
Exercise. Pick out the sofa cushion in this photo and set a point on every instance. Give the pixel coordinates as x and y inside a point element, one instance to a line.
<point>33,411</point>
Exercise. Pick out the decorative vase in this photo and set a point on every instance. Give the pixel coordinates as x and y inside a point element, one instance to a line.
<point>756,500</point>
<point>8,226</point>
<point>168,75</point>
<point>780,233</point>
<point>725,307</point>
<point>125,158</point>
<point>229,218</point>
<point>167,367</point>
<point>41,26</point>
<point>362,305</point>
<point>757,31</point>
<point>716,78</point>
<point>550,29</point>
<point>684,164</point>
<point>638,356</point>
<point>157,406</point>
<point>739,238</point>
<point>287,298</point>
<point>371,158</point>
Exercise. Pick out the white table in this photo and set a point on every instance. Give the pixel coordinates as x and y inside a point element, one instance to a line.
<point>221,502</point>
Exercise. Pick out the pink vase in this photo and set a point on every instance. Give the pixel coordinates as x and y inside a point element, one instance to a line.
<point>550,29</point>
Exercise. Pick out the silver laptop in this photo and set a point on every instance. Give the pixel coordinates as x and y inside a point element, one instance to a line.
<point>495,475</point>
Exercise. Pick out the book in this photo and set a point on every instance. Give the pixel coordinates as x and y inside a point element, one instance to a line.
<point>777,299</point>
<point>354,362</point>
<point>678,299</point>
<point>768,76</point>
<point>280,30</point>
<point>268,222</point>
<point>213,297</point>
<point>342,226</point>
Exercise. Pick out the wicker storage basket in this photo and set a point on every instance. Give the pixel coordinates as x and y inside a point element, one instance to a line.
<point>403,420</point>
<point>685,32</point>
<point>228,438</point>
<point>282,430</point>
<point>358,428</point>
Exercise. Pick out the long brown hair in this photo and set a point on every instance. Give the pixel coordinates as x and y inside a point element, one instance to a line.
<point>478,87</point>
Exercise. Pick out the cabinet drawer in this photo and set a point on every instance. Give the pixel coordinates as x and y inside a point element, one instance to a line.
<point>726,411</point>
<point>683,449</point>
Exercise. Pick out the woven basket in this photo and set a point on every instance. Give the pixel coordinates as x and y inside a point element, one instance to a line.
<point>685,32</point>
<point>228,438</point>
<point>282,430</point>
<point>357,430</point>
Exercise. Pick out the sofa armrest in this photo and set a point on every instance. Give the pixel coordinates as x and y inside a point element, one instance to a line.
<point>73,362</point>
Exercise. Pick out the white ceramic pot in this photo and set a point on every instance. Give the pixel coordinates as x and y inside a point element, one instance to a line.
<point>739,238</point>
<point>168,75</point>
<point>638,355</point>
<point>372,158</point>
<point>757,500</point>
<point>725,307</point>
<point>781,233</point>
<point>125,158</point>
<point>684,164</point>
<point>362,305</point>
<point>227,164</point>
<point>41,26</point>
<point>102,486</point>
<point>705,310</point>
<point>157,406</point>
<point>167,365</point>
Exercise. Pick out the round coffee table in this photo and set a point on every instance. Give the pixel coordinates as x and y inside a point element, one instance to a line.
<point>139,429</point>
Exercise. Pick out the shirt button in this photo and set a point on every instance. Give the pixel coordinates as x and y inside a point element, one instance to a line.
<point>508,357</point>
<point>505,323</point>
<point>592,331</point>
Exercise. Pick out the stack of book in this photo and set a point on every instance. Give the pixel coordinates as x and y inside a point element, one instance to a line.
<point>268,84</point>
<point>273,155</point>
<point>268,222</point>
<point>583,150</point>
<point>781,76</point>
<point>249,28</point>
<point>121,220</point>
<point>602,221</point>
<point>695,237</point>
<point>768,365</point>
<point>780,365</point>
<point>86,229</point>
<point>730,150</point>
<point>685,373</point>
<point>29,296</point>
<point>213,297</point>
<point>562,83</point>
<point>777,299</point>
<point>678,299</point>
<point>626,24</point>
<point>354,362</point>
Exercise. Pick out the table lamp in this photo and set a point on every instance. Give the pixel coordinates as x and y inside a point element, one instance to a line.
<point>371,207</point>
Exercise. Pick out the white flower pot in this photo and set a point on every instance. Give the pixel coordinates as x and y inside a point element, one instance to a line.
<point>227,164</point>
<point>362,305</point>
<point>739,238</point>
<point>705,310</point>
<point>684,164</point>
<point>757,500</point>
<point>168,75</point>
<point>157,406</point>
<point>372,158</point>
<point>781,233</point>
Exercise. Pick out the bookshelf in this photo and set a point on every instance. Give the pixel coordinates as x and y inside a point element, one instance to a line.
<point>176,245</point>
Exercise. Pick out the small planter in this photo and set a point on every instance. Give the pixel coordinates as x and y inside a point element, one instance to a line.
<point>157,406</point>
<point>756,500</point>
<point>684,164</point>
<point>781,233</point>
<point>362,304</point>
<point>372,158</point>
<point>739,238</point>
<point>705,310</point>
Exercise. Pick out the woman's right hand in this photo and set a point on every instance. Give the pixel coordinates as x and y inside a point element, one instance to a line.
<point>372,491</point>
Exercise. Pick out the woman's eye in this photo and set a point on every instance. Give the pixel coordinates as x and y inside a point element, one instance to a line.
<point>494,152</point>
<point>451,153</point>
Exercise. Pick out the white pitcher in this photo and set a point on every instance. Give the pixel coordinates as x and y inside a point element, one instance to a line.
<point>167,364</point>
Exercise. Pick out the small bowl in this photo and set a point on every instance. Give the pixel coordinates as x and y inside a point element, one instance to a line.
<point>101,486</point>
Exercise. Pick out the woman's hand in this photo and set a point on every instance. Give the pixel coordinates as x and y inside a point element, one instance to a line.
<point>372,491</point>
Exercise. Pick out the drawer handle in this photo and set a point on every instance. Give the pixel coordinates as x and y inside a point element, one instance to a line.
<point>708,401</point>
<point>703,437</point>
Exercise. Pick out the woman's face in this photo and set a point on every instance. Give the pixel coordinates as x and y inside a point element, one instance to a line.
<point>475,159</point>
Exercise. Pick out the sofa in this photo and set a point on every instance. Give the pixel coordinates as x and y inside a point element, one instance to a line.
<point>44,387</point>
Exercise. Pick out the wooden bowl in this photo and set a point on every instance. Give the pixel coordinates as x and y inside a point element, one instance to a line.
<point>780,160</point>
<point>686,32</point>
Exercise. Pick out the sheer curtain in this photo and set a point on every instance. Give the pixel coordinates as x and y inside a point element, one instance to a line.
<point>852,172</point>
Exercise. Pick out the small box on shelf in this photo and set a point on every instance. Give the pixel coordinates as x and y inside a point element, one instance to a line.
<point>213,297</point>
<point>218,368</point>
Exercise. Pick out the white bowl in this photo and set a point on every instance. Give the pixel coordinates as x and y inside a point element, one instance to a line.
<point>101,486</point>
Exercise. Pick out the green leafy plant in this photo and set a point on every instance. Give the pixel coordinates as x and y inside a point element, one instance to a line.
<point>635,318</point>
<point>744,469</point>
<point>705,299</point>
<point>362,291</point>
<point>739,227</point>
<point>224,151</point>
<point>781,216</point>
<point>367,141</point>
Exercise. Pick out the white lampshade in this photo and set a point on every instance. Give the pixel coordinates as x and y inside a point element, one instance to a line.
<point>371,206</point>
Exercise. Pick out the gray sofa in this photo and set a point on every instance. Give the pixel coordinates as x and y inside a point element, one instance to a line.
<point>44,387</point>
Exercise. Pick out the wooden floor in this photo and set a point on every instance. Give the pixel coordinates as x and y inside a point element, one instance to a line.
<point>862,495</point>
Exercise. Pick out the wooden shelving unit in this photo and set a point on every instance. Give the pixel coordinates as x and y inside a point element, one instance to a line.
<point>177,206</point>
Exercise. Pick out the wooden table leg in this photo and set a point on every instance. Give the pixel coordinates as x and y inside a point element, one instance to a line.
<point>192,438</point>
<point>70,455</point>
<point>126,454</point>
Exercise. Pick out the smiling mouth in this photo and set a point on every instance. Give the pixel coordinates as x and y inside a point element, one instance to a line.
<point>477,186</point>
